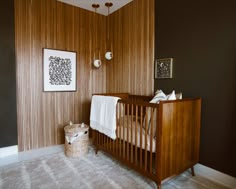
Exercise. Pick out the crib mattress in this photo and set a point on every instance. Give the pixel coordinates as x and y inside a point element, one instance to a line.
<point>127,129</point>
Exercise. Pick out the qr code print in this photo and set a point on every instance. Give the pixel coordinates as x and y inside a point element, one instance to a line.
<point>60,71</point>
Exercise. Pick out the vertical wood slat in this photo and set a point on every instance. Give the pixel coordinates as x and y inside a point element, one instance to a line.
<point>107,142</point>
<point>151,137</point>
<point>146,133</point>
<point>117,129</point>
<point>136,134</point>
<point>120,128</point>
<point>123,123</point>
<point>132,117</point>
<point>110,144</point>
<point>128,141</point>
<point>99,138</point>
<point>104,140</point>
<point>141,136</point>
<point>40,24</point>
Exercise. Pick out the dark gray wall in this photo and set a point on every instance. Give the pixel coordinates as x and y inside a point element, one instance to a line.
<point>201,37</point>
<point>8,128</point>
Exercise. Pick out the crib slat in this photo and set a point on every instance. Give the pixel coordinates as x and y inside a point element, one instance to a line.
<point>114,142</point>
<point>112,146</point>
<point>109,144</point>
<point>123,122</point>
<point>128,117</point>
<point>106,141</point>
<point>132,113</point>
<point>98,138</point>
<point>141,137</point>
<point>151,137</point>
<point>136,134</point>
<point>95,139</point>
<point>103,139</point>
<point>158,136</point>
<point>146,127</point>
<point>120,129</point>
<point>117,129</point>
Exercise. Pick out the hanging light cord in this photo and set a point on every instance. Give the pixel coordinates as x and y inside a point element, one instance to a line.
<point>95,6</point>
<point>108,5</point>
<point>108,29</point>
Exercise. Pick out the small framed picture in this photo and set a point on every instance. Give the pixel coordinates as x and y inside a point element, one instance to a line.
<point>164,68</point>
<point>59,70</point>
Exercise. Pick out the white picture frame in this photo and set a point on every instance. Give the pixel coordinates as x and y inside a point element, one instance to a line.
<point>59,70</point>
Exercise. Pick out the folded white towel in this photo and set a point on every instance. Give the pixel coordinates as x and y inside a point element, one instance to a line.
<point>103,114</point>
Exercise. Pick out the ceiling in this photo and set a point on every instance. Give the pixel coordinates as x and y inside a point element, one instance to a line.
<point>87,4</point>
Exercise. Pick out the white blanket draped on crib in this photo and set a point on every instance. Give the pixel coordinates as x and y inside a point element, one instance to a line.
<point>103,114</point>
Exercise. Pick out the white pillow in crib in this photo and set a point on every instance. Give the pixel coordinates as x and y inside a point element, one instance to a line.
<point>158,97</point>
<point>179,96</point>
<point>171,96</point>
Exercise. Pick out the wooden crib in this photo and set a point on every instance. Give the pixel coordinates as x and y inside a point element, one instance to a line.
<point>158,140</point>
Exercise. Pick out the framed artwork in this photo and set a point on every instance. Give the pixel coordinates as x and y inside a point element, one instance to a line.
<point>164,68</point>
<point>59,70</point>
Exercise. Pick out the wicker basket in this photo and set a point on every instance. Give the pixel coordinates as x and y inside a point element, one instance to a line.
<point>76,140</point>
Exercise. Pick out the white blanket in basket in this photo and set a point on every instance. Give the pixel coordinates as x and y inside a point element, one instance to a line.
<point>103,114</point>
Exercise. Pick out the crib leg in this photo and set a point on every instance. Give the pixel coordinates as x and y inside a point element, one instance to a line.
<point>192,170</point>
<point>96,149</point>
<point>158,184</point>
<point>95,135</point>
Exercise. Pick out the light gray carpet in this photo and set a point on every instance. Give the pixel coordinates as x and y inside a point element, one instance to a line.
<point>89,172</point>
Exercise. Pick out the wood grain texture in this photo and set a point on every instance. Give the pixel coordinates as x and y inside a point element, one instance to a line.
<point>177,131</point>
<point>41,116</point>
<point>180,135</point>
<point>132,37</point>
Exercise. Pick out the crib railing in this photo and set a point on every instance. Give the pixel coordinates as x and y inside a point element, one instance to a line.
<point>136,135</point>
<point>158,140</point>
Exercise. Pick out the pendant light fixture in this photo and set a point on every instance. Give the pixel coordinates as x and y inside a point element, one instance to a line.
<point>96,57</point>
<point>108,54</point>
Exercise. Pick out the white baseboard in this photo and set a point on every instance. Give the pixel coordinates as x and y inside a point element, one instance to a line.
<point>8,151</point>
<point>215,176</point>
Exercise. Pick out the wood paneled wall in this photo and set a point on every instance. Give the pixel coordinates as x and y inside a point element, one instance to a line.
<point>132,35</point>
<point>41,116</point>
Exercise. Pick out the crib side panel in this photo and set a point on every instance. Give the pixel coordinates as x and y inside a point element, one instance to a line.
<point>134,145</point>
<point>180,135</point>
